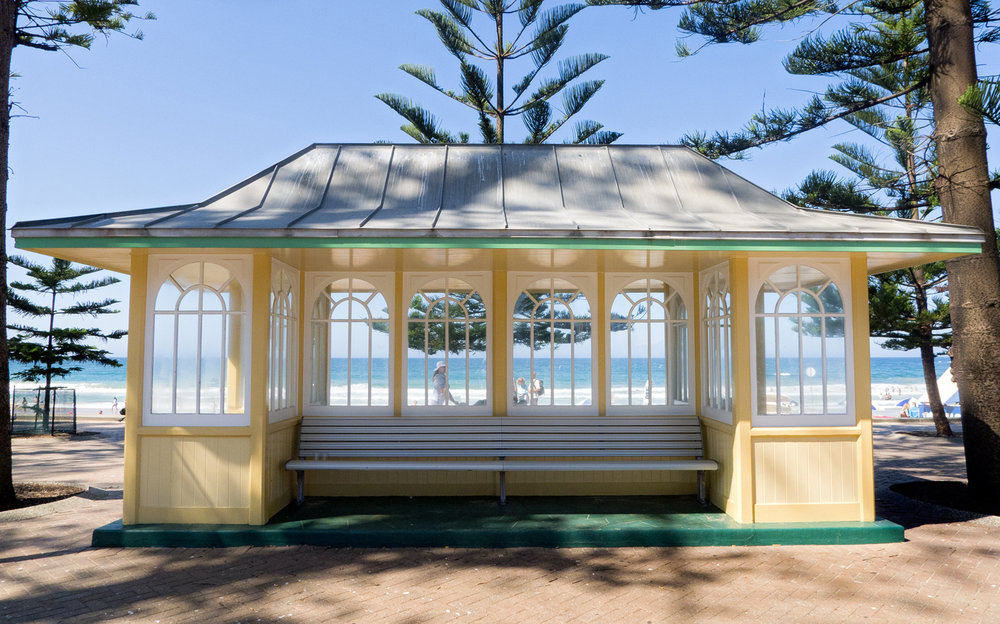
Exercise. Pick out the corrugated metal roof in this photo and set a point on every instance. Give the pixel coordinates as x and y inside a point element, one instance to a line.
<point>649,192</point>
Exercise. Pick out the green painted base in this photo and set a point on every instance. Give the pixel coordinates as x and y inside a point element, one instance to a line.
<point>564,522</point>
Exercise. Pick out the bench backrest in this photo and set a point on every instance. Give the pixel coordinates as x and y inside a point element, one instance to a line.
<point>607,436</point>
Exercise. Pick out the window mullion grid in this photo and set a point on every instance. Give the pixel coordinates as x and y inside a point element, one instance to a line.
<point>427,370</point>
<point>468,364</point>
<point>552,349</point>
<point>173,387</point>
<point>777,367</point>
<point>823,371</point>
<point>628,359</point>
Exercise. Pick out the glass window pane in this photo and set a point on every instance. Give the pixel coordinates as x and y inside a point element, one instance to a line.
<point>167,297</point>
<point>211,364</point>
<point>163,364</point>
<point>235,371</point>
<point>216,276</point>
<point>789,366</point>
<point>187,363</point>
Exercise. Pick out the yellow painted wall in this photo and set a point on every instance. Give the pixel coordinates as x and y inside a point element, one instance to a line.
<point>279,484</point>
<point>801,479</point>
<point>720,445</point>
<point>190,478</point>
<point>237,475</point>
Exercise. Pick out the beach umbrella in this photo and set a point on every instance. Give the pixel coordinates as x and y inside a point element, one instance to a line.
<point>903,402</point>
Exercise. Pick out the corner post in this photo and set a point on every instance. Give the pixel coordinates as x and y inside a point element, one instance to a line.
<point>260,313</point>
<point>135,365</point>
<point>742,458</point>
<point>862,384</point>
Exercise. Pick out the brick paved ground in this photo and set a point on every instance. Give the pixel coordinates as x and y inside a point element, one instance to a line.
<point>947,571</point>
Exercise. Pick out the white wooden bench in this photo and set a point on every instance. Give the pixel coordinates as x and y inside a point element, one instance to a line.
<point>501,444</point>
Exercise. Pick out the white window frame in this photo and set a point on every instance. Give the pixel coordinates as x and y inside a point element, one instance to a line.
<point>316,282</point>
<point>480,282</point>
<point>586,283</point>
<point>159,268</point>
<point>715,338</point>
<point>285,345</point>
<point>839,271</point>
<point>683,285</point>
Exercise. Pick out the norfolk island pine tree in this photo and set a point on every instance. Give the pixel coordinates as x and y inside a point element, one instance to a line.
<point>46,26</point>
<point>962,182</point>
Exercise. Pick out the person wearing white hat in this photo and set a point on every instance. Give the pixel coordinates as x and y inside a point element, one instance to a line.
<point>442,392</point>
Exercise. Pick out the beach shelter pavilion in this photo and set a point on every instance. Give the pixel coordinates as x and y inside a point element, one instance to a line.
<point>634,282</point>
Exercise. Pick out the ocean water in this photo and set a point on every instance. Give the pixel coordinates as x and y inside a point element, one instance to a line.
<point>97,387</point>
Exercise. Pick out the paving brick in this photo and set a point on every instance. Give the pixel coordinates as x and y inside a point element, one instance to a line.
<point>948,570</point>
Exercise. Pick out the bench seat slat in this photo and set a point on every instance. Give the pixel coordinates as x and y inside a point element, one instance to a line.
<point>501,444</point>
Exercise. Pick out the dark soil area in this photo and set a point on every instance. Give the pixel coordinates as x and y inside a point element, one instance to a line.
<point>954,494</point>
<point>29,494</point>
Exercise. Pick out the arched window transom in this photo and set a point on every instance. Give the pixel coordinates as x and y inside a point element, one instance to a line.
<point>552,345</point>
<point>350,346</point>
<point>717,326</point>
<point>801,344</point>
<point>198,320</point>
<point>446,345</point>
<point>649,329</point>
<point>283,354</point>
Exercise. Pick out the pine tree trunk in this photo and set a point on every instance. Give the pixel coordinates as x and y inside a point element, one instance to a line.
<point>933,393</point>
<point>8,24</point>
<point>974,281</point>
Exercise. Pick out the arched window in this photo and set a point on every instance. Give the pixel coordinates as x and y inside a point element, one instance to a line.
<point>446,340</point>
<point>649,346</point>
<point>552,345</point>
<point>350,346</point>
<point>801,348</point>
<point>283,352</point>
<point>197,360</point>
<point>717,323</point>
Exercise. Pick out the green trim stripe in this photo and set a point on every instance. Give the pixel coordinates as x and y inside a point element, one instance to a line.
<point>241,242</point>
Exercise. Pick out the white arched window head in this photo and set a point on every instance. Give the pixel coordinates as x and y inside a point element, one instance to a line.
<point>649,331</point>
<point>283,345</point>
<point>350,330</point>
<point>717,324</point>
<point>551,348</point>
<point>198,347</point>
<point>802,368</point>
<point>447,357</point>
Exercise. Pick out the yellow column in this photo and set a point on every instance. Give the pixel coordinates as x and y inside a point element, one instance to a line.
<point>599,332</point>
<point>695,313</point>
<point>133,381</point>
<point>498,339</point>
<point>742,315</point>
<point>399,342</point>
<point>862,383</point>
<point>260,313</point>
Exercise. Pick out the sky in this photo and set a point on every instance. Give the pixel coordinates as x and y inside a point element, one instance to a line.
<point>218,91</point>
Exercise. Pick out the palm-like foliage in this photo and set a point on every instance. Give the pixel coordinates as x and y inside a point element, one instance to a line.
<point>538,35</point>
<point>896,180</point>
<point>885,38</point>
<point>51,352</point>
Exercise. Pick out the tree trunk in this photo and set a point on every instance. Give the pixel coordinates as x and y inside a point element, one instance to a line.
<point>8,24</point>
<point>933,394</point>
<point>974,281</point>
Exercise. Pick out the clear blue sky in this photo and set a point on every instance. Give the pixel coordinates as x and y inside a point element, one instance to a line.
<point>215,93</point>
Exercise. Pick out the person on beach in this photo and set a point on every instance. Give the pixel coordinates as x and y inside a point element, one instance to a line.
<point>442,391</point>
<point>536,389</point>
<point>520,391</point>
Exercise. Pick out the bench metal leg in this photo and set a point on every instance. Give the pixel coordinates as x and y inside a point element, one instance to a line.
<point>702,497</point>
<point>503,487</point>
<point>300,486</point>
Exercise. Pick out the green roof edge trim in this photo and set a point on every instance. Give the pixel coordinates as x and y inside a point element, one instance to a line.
<point>267,242</point>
